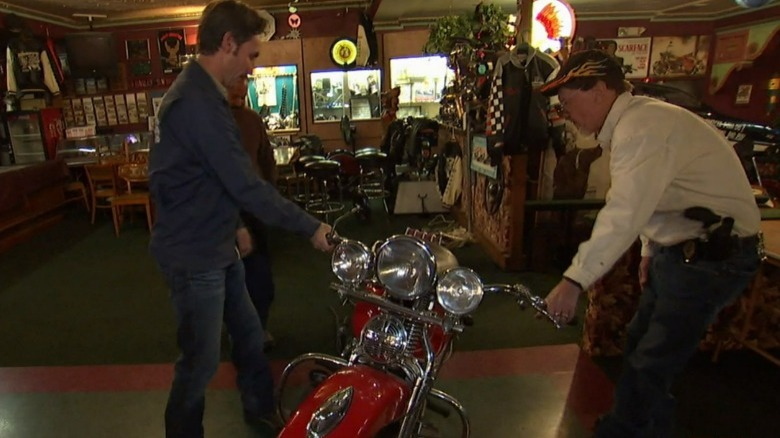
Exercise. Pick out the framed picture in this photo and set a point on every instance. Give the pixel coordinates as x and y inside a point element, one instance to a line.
<point>137,49</point>
<point>743,94</point>
<point>480,161</point>
<point>679,57</point>
<point>173,48</point>
<point>633,54</point>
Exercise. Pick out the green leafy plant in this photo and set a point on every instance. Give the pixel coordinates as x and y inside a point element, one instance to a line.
<point>486,28</point>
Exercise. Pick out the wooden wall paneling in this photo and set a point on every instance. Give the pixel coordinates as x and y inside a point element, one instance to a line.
<point>501,234</point>
<point>401,44</point>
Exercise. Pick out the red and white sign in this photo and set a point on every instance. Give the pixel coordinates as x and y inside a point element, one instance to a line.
<point>553,20</point>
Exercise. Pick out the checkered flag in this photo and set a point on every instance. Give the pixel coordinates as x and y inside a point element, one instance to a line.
<point>495,115</point>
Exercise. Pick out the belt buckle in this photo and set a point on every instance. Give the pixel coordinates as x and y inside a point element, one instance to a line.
<point>689,250</point>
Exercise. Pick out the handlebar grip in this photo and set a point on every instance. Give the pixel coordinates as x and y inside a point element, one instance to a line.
<point>524,298</point>
<point>333,238</point>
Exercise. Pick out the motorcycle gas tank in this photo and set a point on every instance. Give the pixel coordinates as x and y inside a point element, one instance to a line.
<point>377,399</point>
<point>364,312</point>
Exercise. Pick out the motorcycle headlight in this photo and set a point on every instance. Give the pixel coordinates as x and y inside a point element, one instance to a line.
<point>405,266</point>
<point>351,261</point>
<point>459,291</point>
<point>384,338</point>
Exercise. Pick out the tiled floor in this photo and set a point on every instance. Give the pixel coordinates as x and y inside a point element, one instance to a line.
<point>539,392</point>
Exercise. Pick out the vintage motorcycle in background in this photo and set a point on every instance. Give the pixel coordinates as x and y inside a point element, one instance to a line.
<point>411,299</point>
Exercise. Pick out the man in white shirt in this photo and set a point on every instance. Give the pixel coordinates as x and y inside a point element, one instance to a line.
<point>663,160</point>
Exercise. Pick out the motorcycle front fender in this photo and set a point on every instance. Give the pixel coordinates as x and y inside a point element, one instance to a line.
<point>375,400</point>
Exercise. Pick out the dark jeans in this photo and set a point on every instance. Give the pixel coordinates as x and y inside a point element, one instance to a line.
<point>259,279</point>
<point>201,301</point>
<point>677,305</point>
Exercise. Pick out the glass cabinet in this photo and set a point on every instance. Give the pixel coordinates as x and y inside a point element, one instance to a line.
<point>34,134</point>
<point>93,149</point>
<point>354,94</point>
<point>422,81</point>
<point>273,93</point>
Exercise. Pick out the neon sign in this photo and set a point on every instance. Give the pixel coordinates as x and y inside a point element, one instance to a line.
<point>553,20</point>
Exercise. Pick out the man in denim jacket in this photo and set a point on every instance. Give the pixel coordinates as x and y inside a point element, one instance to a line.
<point>200,178</point>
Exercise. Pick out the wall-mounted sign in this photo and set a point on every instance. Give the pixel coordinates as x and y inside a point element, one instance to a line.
<point>294,21</point>
<point>632,53</point>
<point>679,56</point>
<point>173,48</point>
<point>731,47</point>
<point>553,20</point>
<point>743,94</point>
<point>343,52</point>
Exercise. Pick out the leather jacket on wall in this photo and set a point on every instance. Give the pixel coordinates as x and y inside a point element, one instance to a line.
<point>28,67</point>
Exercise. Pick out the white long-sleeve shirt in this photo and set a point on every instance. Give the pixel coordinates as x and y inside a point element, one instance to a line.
<point>663,159</point>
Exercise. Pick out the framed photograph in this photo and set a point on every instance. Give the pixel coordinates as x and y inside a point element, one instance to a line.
<point>743,94</point>
<point>679,57</point>
<point>137,49</point>
<point>480,161</point>
<point>173,47</point>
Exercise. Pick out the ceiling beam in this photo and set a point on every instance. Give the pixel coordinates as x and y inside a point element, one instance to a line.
<point>373,8</point>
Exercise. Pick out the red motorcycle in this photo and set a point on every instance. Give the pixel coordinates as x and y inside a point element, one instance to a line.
<point>411,300</point>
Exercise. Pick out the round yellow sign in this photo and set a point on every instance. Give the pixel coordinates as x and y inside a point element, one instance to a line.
<point>344,52</point>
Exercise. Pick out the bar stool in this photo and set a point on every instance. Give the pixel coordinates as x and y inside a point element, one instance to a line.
<point>372,174</point>
<point>349,172</point>
<point>325,175</point>
<point>304,196</point>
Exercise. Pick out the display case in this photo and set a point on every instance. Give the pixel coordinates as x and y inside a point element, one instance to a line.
<point>422,81</point>
<point>273,93</point>
<point>354,94</point>
<point>87,150</point>
<point>33,135</point>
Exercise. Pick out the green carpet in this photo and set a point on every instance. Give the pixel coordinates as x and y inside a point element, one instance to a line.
<point>78,295</point>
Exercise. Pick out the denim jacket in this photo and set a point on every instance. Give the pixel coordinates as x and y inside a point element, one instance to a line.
<point>201,177</point>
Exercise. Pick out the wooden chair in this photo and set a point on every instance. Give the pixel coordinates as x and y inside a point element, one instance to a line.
<point>138,157</point>
<point>132,174</point>
<point>75,191</point>
<point>102,186</point>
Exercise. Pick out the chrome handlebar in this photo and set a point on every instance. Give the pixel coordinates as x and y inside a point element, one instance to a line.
<point>446,322</point>
<point>524,298</point>
<point>521,293</point>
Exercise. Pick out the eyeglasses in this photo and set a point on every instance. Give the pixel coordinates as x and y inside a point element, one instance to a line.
<point>560,108</point>
<point>563,105</point>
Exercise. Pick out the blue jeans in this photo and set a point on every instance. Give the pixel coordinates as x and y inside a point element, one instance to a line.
<point>201,301</point>
<point>677,305</point>
<point>257,268</point>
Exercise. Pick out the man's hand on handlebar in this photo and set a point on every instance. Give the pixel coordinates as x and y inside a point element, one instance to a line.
<point>320,238</point>
<point>562,301</point>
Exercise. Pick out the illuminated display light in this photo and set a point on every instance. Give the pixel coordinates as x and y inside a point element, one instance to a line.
<point>553,20</point>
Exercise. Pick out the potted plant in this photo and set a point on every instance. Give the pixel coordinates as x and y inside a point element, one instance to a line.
<point>486,30</point>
